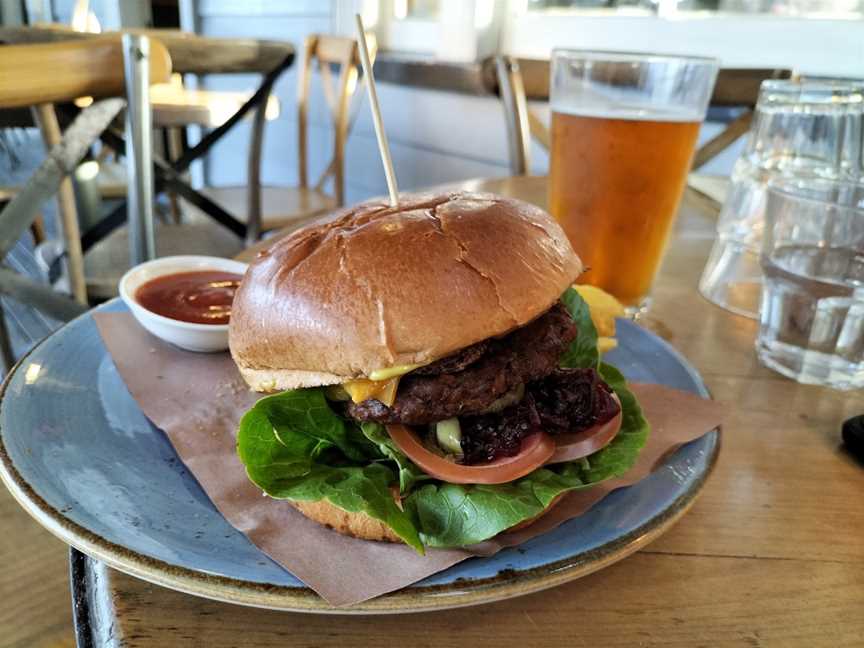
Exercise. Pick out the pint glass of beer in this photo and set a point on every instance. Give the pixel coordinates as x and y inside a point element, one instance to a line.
<point>624,129</point>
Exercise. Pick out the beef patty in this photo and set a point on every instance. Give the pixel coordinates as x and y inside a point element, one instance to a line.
<point>478,377</point>
<point>567,400</point>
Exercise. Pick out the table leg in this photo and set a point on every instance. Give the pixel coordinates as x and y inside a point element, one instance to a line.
<point>174,142</point>
<point>7,357</point>
<point>82,604</point>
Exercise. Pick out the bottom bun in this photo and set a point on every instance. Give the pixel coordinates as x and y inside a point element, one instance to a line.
<point>359,525</point>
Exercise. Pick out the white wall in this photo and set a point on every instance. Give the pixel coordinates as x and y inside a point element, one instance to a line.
<point>810,46</point>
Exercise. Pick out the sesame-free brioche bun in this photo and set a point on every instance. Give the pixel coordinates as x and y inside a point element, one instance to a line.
<point>362,526</point>
<point>357,525</point>
<point>374,286</point>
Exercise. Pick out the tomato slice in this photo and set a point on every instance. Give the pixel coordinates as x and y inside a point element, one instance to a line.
<point>533,453</point>
<point>576,445</point>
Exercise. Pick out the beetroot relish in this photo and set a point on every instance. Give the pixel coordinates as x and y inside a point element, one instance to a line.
<point>571,400</point>
<point>567,400</point>
<point>489,436</point>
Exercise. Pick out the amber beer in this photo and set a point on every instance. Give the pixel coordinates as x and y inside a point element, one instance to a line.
<point>615,185</point>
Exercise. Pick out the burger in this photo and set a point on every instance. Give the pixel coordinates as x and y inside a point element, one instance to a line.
<point>432,376</point>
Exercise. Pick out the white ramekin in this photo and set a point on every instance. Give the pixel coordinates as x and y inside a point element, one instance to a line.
<point>186,335</point>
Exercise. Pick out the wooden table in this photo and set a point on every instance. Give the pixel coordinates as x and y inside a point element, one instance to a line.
<point>190,53</point>
<point>772,554</point>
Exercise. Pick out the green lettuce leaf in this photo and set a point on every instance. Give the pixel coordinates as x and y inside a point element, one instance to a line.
<point>295,447</point>
<point>583,350</point>
<point>262,452</point>
<point>304,423</point>
<point>409,473</point>
<point>456,515</point>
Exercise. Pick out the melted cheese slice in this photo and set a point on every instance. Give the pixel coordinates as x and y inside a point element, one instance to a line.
<point>381,385</point>
<point>381,390</point>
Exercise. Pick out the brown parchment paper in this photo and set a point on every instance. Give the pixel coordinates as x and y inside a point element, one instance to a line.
<point>197,399</point>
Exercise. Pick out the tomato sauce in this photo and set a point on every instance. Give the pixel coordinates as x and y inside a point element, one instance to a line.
<point>200,297</point>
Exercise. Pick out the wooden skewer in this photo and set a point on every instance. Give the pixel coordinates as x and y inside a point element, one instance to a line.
<point>383,146</point>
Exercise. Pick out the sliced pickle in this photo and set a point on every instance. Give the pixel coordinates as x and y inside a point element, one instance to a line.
<point>449,435</point>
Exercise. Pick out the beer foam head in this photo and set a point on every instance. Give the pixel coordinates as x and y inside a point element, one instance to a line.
<point>633,111</point>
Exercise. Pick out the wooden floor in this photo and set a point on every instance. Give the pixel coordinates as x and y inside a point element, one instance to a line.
<point>35,608</point>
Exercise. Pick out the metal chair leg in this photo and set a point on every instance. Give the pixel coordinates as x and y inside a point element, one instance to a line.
<point>139,147</point>
<point>512,92</point>
<point>254,216</point>
<point>7,357</point>
<point>174,146</point>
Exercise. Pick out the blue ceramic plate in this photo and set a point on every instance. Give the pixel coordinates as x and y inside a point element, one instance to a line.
<point>80,456</point>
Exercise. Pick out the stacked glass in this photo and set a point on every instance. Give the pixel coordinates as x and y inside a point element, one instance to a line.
<point>812,313</point>
<point>804,129</point>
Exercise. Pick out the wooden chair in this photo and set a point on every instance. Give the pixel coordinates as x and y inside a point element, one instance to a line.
<point>284,206</point>
<point>174,106</point>
<point>41,75</point>
<point>38,76</point>
<point>518,80</point>
<point>107,259</point>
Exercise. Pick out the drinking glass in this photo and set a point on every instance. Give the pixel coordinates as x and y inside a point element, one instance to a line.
<point>812,311</point>
<point>624,129</point>
<point>804,128</point>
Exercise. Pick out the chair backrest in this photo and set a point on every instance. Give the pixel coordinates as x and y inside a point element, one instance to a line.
<point>63,71</point>
<point>328,52</point>
<point>518,80</point>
